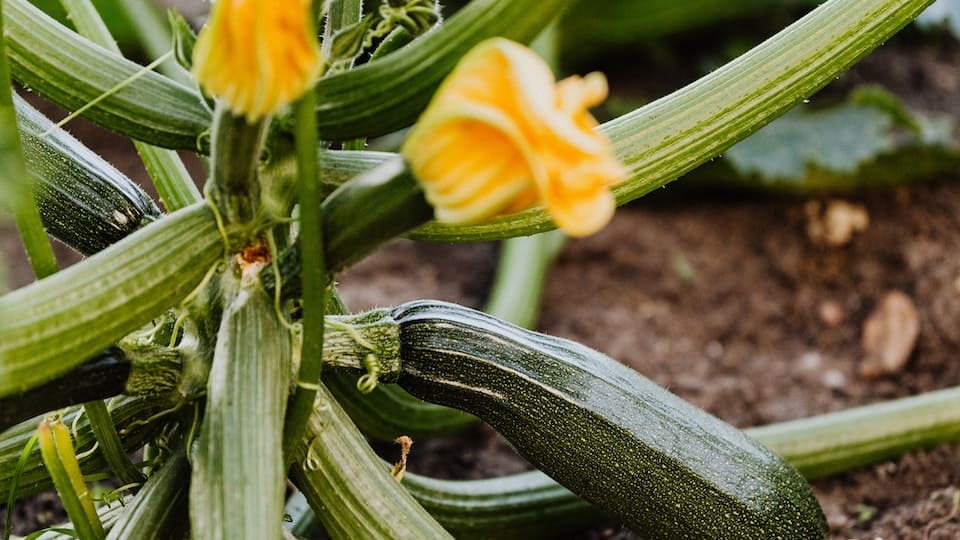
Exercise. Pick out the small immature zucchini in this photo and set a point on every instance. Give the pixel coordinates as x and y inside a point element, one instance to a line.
<point>666,468</point>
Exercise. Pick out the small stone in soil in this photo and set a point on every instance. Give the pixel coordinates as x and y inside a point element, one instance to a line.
<point>831,313</point>
<point>835,223</point>
<point>889,335</point>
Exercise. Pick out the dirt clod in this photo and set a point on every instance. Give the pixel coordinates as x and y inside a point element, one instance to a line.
<point>835,222</point>
<point>889,335</point>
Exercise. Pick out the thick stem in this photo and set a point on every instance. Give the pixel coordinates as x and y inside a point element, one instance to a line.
<point>235,158</point>
<point>15,186</point>
<point>313,276</point>
<point>347,485</point>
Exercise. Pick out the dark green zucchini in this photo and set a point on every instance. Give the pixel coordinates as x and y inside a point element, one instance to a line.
<point>101,377</point>
<point>84,201</point>
<point>666,468</point>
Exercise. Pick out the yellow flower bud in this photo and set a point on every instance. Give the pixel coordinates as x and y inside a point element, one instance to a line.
<point>257,55</point>
<point>501,136</point>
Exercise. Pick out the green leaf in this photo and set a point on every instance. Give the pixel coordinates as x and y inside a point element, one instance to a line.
<point>15,185</point>
<point>836,139</point>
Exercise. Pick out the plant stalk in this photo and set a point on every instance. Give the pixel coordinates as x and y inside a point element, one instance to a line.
<point>313,276</point>
<point>15,186</point>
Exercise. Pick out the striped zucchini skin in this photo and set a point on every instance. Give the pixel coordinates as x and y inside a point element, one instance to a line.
<point>666,468</point>
<point>84,201</point>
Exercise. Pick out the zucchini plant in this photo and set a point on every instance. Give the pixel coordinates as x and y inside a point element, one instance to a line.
<point>211,335</point>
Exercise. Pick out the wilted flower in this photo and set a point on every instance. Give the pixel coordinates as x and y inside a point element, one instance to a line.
<point>501,136</point>
<point>257,55</point>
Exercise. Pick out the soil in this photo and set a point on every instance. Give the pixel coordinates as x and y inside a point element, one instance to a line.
<point>728,301</point>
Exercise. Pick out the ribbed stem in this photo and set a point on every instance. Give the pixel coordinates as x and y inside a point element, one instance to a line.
<point>237,481</point>
<point>15,187</point>
<point>348,486</point>
<point>235,158</point>
<point>53,325</point>
<point>72,71</point>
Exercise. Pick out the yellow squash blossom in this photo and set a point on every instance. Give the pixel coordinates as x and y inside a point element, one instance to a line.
<point>257,55</point>
<point>501,136</point>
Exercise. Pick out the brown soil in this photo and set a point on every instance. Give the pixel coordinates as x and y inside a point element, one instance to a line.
<point>728,302</point>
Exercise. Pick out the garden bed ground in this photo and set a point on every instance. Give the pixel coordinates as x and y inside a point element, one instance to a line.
<point>727,300</point>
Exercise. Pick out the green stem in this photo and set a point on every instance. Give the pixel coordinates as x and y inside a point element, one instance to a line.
<point>61,461</point>
<point>16,186</point>
<point>154,34</point>
<point>381,97</point>
<point>14,482</point>
<point>53,325</point>
<point>110,445</point>
<point>518,283</point>
<point>89,24</point>
<point>129,412</point>
<point>340,14</point>
<point>836,442</point>
<point>313,276</point>
<point>72,71</point>
<point>528,505</point>
<point>370,210</point>
<point>159,510</point>
<point>347,485</point>
<point>664,140</point>
<point>101,377</point>
<point>166,170</point>
<point>389,411</point>
<point>237,479</point>
<point>235,158</point>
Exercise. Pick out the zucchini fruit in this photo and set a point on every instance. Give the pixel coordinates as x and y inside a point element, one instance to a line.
<point>84,201</point>
<point>664,467</point>
<point>103,376</point>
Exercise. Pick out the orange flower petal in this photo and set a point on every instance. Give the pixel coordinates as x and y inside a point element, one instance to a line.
<point>257,55</point>
<point>501,135</point>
